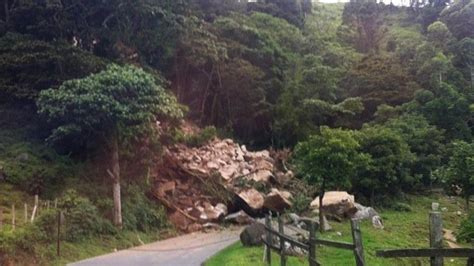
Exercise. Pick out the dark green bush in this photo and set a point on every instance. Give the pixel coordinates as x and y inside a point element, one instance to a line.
<point>82,218</point>
<point>466,230</point>
<point>400,206</point>
<point>300,203</point>
<point>140,213</point>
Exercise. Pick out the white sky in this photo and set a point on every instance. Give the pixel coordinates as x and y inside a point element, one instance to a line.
<point>395,2</point>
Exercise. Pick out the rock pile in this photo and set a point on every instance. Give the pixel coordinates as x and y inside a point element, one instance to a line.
<point>247,180</point>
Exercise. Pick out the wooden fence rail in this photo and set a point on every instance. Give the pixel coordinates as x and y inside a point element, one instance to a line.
<point>436,252</point>
<point>313,241</point>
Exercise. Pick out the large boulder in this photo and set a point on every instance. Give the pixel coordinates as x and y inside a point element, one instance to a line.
<point>252,235</point>
<point>277,200</point>
<point>252,198</point>
<point>336,203</point>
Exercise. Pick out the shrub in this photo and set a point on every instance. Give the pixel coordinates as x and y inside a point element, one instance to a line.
<point>140,213</point>
<point>300,203</point>
<point>402,207</point>
<point>466,230</point>
<point>198,139</point>
<point>81,217</point>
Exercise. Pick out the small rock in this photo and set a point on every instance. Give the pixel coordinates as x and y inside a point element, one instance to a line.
<point>23,157</point>
<point>459,213</point>
<point>338,233</point>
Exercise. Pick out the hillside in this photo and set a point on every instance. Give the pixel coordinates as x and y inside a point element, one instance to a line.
<point>139,120</point>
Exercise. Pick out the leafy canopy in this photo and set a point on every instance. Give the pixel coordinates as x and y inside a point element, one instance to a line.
<point>331,156</point>
<point>116,98</point>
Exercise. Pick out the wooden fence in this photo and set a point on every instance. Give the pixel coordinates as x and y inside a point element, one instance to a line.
<point>436,252</point>
<point>310,247</point>
<point>13,222</point>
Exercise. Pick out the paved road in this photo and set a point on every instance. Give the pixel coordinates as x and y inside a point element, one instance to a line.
<point>186,250</point>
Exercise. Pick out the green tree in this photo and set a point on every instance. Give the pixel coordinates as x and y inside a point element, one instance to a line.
<point>387,173</point>
<point>113,105</point>
<point>460,169</point>
<point>425,142</point>
<point>28,66</point>
<point>439,35</point>
<point>459,18</point>
<point>465,53</point>
<point>379,80</point>
<point>329,159</point>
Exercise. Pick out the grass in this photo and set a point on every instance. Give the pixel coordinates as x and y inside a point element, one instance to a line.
<point>402,230</point>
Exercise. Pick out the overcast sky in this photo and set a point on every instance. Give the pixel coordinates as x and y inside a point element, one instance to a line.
<point>395,2</point>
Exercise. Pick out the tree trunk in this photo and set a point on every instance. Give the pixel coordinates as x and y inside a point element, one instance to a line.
<point>321,214</point>
<point>472,77</point>
<point>116,182</point>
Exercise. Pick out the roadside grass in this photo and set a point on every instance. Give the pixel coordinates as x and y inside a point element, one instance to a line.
<point>402,230</point>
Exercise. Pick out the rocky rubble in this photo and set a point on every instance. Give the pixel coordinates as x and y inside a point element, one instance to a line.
<point>203,184</point>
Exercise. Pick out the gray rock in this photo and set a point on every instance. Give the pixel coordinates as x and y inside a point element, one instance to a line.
<point>252,235</point>
<point>23,157</point>
<point>239,217</point>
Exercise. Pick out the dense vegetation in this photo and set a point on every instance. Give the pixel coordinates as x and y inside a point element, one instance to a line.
<point>381,97</point>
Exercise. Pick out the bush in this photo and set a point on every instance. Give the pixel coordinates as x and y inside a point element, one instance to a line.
<point>140,213</point>
<point>195,140</point>
<point>300,203</point>
<point>82,218</point>
<point>402,207</point>
<point>466,230</point>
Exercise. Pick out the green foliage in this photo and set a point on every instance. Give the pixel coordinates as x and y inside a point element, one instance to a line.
<point>300,203</point>
<point>331,157</point>
<point>448,109</point>
<point>196,139</point>
<point>387,171</point>
<point>123,99</point>
<point>460,169</point>
<point>81,216</point>
<point>425,141</point>
<point>466,230</point>
<point>140,213</point>
<point>401,207</point>
<point>379,80</point>
<point>459,18</point>
<point>28,66</point>
<point>439,35</point>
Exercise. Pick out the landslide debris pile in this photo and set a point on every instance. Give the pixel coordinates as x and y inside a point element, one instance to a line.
<point>201,186</point>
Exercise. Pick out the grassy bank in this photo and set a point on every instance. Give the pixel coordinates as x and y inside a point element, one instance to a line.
<point>403,229</point>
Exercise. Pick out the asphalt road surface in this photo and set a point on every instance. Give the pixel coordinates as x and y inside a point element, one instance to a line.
<point>187,250</point>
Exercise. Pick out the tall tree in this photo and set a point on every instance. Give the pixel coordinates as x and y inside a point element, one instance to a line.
<point>461,168</point>
<point>112,105</point>
<point>329,160</point>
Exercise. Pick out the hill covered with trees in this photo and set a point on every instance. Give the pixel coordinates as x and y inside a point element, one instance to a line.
<point>372,98</point>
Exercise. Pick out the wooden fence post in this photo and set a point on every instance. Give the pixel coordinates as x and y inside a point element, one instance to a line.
<point>358,246</point>
<point>268,223</point>
<point>1,218</point>
<point>26,212</point>
<point>436,236</point>
<point>59,234</point>
<point>312,245</point>
<point>13,217</point>
<point>281,230</point>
